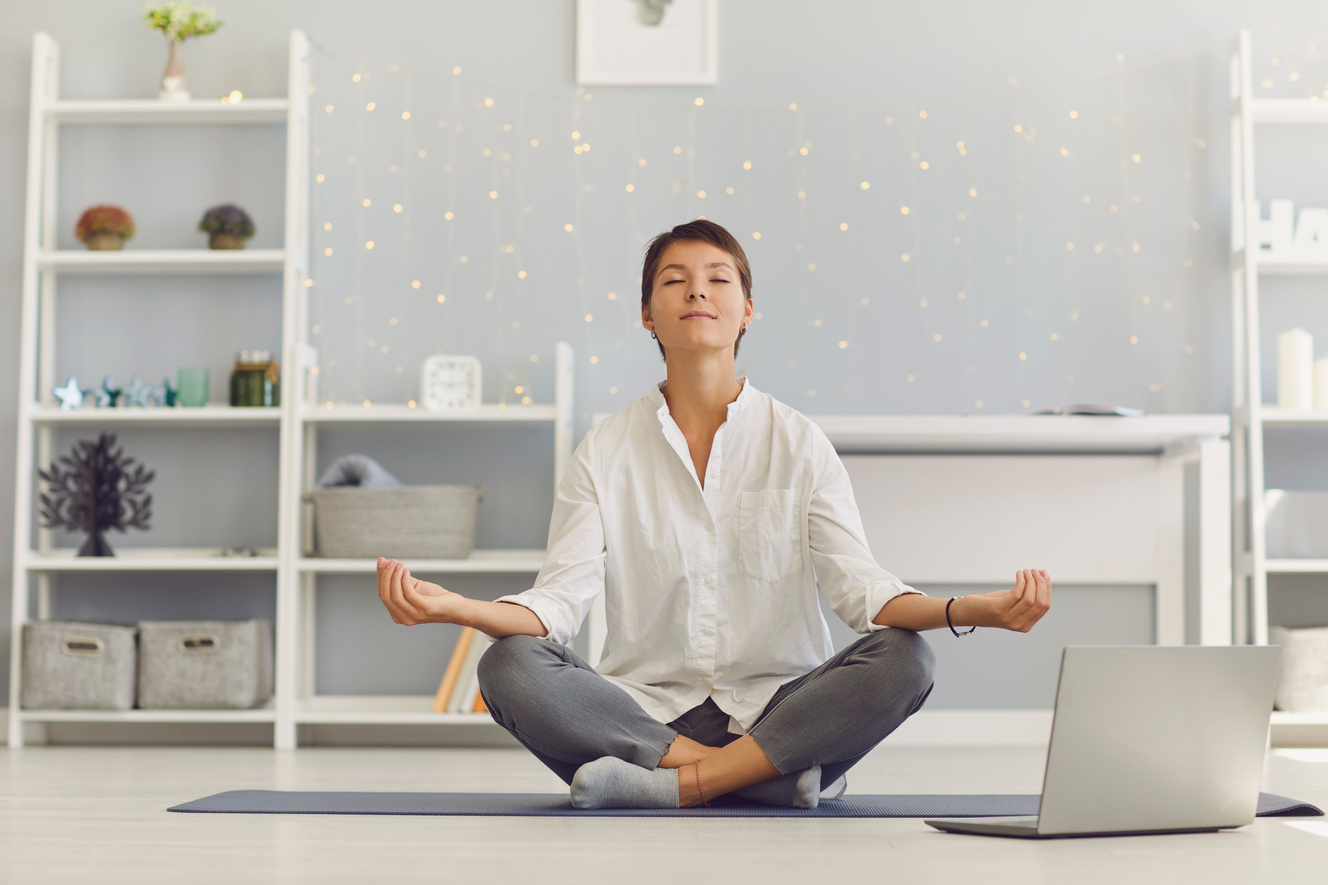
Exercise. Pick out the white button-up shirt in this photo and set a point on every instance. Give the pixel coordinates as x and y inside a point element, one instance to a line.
<point>709,591</point>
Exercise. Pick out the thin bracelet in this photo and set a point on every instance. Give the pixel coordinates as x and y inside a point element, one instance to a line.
<point>698,782</point>
<point>951,625</point>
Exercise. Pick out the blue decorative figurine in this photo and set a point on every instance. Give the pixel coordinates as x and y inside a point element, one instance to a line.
<point>71,397</point>
<point>107,394</point>
<point>136,394</point>
<point>164,395</point>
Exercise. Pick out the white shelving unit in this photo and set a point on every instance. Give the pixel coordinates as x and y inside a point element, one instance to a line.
<point>1252,418</point>
<point>36,560</point>
<point>299,639</point>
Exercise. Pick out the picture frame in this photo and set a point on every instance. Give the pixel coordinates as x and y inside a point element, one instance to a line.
<point>616,43</point>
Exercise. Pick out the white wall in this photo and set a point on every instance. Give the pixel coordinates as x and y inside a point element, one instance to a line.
<point>977,68</point>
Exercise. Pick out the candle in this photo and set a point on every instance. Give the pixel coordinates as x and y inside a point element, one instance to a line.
<point>1295,370</point>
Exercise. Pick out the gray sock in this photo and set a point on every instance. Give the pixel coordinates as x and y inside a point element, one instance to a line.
<point>609,782</point>
<point>801,789</point>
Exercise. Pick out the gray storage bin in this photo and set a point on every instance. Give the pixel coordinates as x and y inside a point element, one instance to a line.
<point>425,522</point>
<point>204,665</point>
<point>1302,686</point>
<point>69,665</point>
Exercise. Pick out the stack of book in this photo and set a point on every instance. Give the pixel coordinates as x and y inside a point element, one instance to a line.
<point>459,692</point>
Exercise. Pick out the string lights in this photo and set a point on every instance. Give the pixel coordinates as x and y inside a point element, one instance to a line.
<point>885,282</point>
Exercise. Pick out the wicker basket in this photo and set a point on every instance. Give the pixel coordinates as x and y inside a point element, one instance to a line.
<point>1303,684</point>
<point>424,522</point>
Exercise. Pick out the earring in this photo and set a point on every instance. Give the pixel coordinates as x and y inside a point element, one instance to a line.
<point>654,336</point>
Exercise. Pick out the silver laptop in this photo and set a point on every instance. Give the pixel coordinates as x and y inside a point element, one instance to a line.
<point>1149,739</point>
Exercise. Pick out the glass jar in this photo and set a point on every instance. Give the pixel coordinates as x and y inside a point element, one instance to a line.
<point>255,379</point>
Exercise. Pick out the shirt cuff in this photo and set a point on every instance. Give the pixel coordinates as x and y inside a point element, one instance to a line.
<point>878,595</point>
<point>535,606</point>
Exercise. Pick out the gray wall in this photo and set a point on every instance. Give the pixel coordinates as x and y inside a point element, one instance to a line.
<point>1143,78</point>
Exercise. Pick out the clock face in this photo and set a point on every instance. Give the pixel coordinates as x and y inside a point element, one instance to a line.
<point>449,383</point>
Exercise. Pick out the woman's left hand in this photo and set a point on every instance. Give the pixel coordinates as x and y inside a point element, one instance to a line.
<point>1018,608</point>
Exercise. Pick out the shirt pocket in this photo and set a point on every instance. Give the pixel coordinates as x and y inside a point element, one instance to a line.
<point>770,534</point>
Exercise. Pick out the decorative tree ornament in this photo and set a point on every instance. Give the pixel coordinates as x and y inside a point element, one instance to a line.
<point>178,21</point>
<point>165,395</point>
<point>136,394</point>
<point>71,397</point>
<point>107,394</point>
<point>95,488</point>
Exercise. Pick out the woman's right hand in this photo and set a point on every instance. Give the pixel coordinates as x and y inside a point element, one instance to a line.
<point>411,601</point>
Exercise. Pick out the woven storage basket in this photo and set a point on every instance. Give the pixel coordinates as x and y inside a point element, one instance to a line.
<point>1302,686</point>
<point>71,665</point>
<point>425,522</point>
<point>205,665</point>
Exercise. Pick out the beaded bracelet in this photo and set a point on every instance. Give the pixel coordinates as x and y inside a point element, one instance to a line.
<point>947,621</point>
<point>698,782</point>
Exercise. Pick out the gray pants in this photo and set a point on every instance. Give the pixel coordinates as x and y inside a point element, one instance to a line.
<point>560,709</point>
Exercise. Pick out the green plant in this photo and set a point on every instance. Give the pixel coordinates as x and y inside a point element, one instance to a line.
<point>104,220</point>
<point>179,21</point>
<point>227,219</point>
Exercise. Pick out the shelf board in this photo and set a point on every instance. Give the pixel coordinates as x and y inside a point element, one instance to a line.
<point>381,710</point>
<point>150,559</point>
<point>260,714</point>
<point>155,112</point>
<point>399,413</point>
<point>1272,416</point>
<point>492,561</point>
<point>1291,264</point>
<point>163,261</point>
<point>1281,717</point>
<point>1296,566</point>
<point>1289,110</point>
<point>211,415</point>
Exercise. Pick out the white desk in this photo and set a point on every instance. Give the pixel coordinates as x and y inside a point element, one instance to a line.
<point>958,499</point>
<point>950,499</point>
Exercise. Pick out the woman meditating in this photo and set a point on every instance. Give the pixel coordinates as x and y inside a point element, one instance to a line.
<point>708,513</point>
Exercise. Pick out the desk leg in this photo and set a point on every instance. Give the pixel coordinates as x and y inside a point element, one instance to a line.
<point>1169,594</point>
<point>1215,587</point>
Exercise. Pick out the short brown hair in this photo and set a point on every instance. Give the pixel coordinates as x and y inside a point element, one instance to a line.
<point>705,231</point>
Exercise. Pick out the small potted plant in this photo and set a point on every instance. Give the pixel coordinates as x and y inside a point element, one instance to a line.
<point>227,226</point>
<point>178,21</point>
<point>104,227</point>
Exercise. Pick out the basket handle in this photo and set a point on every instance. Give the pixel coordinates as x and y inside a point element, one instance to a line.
<point>82,647</point>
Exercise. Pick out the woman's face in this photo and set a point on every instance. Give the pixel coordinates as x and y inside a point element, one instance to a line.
<point>697,301</point>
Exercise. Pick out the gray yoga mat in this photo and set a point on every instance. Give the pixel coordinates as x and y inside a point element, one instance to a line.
<point>559,805</point>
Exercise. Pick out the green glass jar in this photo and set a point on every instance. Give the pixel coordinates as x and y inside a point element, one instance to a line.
<point>255,379</point>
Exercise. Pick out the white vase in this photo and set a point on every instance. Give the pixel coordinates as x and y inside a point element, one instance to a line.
<point>174,86</point>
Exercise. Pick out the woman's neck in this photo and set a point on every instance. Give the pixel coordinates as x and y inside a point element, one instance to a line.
<point>698,393</point>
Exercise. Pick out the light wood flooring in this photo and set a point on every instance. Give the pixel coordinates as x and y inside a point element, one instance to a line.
<point>97,815</point>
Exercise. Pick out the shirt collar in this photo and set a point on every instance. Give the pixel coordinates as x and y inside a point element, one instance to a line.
<point>745,398</point>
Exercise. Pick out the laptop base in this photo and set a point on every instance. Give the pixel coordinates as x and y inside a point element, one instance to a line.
<point>1026,828</point>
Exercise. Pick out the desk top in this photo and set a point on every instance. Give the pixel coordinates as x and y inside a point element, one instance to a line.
<point>1146,434</point>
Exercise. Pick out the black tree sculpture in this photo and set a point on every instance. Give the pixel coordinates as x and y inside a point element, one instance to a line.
<point>96,488</point>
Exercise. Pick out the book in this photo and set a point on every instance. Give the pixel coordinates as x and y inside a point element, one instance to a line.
<point>1090,409</point>
<point>467,684</point>
<point>453,671</point>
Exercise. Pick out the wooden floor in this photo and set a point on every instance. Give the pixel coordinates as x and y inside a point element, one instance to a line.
<point>97,814</point>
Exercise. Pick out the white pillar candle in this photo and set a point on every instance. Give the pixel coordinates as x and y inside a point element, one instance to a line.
<point>1295,370</point>
<point>1321,384</point>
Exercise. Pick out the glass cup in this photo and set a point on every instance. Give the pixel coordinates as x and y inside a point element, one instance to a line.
<point>193,382</point>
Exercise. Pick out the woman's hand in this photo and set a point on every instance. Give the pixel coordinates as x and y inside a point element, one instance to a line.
<point>1018,608</point>
<point>411,601</point>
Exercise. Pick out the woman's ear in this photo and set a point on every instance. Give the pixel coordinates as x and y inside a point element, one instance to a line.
<point>646,319</point>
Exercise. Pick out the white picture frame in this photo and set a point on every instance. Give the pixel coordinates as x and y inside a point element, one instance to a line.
<point>615,45</point>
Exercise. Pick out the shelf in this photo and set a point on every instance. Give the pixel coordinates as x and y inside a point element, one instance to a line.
<point>155,112</point>
<point>398,414</point>
<point>382,710</point>
<point>211,415</point>
<point>260,714</point>
<point>164,261</point>
<point>1283,718</point>
<point>1289,110</point>
<point>490,561</point>
<point>151,559</point>
<point>1296,566</point>
<point>1275,417</point>
<point>1292,264</point>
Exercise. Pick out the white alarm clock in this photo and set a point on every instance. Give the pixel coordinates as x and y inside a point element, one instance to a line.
<point>450,383</point>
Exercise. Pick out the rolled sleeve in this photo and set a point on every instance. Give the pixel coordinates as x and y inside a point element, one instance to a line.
<point>855,587</point>
<point>573,571</point>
